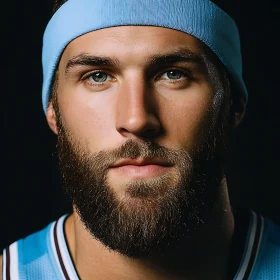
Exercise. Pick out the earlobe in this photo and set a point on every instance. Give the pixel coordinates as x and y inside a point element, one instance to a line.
<point>51,118</point>
<point>238,111</point>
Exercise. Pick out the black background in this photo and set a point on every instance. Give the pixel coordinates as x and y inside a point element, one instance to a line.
<point>30,188</point>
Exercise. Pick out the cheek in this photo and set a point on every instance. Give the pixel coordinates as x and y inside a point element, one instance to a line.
<point>86,118</point>
<point>185,122</point>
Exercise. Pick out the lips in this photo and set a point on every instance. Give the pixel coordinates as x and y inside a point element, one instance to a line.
<point>141,162</point>
<point>140,168</point>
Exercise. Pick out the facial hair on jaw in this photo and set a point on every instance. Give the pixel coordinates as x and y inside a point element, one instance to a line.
<point>156,213</point>
<point>156,222</point>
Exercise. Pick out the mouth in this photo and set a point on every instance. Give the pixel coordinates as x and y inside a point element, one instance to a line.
<point>141,168</point>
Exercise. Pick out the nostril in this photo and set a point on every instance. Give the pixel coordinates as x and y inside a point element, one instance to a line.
<point>144,127</point>
<point>137,110</point>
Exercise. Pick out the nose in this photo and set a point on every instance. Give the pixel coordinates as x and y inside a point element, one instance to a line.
<point>137,110</point>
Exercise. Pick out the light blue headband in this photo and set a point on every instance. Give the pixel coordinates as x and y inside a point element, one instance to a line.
<point>200,18</point>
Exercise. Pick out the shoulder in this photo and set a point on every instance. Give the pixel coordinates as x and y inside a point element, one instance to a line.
<point>270,241</point>
<point>32,256</point>
<point>260,256</point>
<point>267,263</point>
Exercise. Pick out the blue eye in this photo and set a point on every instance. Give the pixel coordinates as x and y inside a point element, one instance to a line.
<point>173,75</point>
<point>99,77</point>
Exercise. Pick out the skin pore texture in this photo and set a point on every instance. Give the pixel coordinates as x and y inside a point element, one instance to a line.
<point>158,92</point>
<point>143,116</point>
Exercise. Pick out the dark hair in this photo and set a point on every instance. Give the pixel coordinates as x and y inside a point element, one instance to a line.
<point>57,5</point>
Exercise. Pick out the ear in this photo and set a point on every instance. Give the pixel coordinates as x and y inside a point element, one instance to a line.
<point>238,109</point>
<point>51,118</point>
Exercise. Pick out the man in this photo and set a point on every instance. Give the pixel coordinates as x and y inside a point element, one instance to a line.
<point>143,96</point>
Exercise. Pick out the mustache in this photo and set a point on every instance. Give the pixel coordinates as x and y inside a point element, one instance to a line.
<point>132,149</point>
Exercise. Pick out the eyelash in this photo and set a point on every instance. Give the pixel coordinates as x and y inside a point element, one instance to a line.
<point>96,84</point>
<point>186,74</point>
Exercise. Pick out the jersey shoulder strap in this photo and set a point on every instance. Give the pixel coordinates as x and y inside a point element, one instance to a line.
<point>261,254</point>
<point>267,264</point>
<point>35,256</point>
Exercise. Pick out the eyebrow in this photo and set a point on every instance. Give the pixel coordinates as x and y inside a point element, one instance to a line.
<point>179,55</point>
<point>85,59</point>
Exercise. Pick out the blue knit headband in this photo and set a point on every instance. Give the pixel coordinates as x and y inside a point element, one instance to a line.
<point>200,18</point>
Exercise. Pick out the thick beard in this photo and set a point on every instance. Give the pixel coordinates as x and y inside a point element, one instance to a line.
<point>156,213</point>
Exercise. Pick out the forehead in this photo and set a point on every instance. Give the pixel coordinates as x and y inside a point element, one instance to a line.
<point>133,43</point>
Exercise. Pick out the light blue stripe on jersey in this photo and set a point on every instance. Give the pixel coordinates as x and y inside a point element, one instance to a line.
<point>36,256</point>
<point>267,265</point>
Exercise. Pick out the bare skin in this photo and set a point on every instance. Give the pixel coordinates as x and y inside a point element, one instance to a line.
<point>102,115</point>
<point>137,100</point>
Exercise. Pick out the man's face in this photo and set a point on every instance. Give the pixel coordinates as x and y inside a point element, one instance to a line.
<point>140,134</point>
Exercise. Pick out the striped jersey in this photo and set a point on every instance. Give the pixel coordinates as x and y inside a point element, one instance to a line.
<point>44,255</point>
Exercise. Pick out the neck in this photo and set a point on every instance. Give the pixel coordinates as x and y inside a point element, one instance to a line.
<point>204,256</point>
